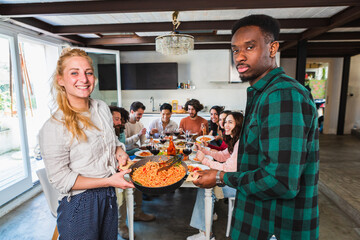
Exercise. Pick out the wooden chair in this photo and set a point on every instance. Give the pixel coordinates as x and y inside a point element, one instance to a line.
<point>51,196</point>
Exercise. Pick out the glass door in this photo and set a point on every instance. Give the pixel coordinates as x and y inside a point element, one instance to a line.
<point>15,173</point>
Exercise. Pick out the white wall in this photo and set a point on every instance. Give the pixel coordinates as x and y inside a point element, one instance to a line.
<point>207,70</point>
<point>353,102</point>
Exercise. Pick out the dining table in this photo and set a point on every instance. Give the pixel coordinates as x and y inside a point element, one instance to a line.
<point>129,198</point>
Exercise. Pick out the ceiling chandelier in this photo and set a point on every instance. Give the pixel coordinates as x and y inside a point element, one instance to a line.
<point>174,43</point>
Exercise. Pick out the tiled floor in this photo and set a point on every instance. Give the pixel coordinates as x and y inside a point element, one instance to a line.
<point>33,219</point>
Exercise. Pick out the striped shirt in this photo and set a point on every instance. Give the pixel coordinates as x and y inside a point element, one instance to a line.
<point>278,163</point>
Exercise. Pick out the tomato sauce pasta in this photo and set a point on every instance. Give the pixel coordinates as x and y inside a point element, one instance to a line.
<point>148,175</point>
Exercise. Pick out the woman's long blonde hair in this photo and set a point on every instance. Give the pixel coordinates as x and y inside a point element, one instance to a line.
<point>73,119</point>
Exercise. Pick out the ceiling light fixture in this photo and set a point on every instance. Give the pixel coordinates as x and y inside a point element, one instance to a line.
<point>174,43</point>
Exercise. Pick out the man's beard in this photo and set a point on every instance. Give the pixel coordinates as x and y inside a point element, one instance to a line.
<point>119,129</point>
<point>193,116</point>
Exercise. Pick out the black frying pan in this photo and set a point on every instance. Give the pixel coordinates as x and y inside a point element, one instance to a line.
<point>156,190</point>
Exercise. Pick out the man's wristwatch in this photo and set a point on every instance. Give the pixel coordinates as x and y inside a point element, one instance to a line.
<point>219,183</point>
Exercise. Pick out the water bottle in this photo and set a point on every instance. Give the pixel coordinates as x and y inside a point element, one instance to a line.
<point>273,237</point>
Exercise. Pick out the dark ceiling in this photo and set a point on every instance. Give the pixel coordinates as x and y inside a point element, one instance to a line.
<point>320,41</point>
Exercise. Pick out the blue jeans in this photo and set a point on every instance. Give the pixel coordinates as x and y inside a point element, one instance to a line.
<point>89,215</point>
<point>198,214</point>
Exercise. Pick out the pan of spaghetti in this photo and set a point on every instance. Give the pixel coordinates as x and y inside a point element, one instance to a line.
<point>146,178</point>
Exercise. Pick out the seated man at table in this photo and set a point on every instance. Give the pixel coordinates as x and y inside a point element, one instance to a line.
<point>134,129</point>
<point>162,124</point>
<point>194,123</point>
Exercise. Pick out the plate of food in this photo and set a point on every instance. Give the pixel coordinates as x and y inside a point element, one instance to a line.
<point>196,167</point>
<point>154,141</point>
<point>143,153</point>
<point>205,138</point>
<point>180,144</point>
<point>193,158</point>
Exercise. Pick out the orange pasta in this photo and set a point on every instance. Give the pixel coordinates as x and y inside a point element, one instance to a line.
<point>148,175</point>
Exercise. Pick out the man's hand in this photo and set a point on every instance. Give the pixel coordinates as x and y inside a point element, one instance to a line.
<point>142,132</point>
<point>122,158</point>
<point>153,131</point>
<point>207,179</point>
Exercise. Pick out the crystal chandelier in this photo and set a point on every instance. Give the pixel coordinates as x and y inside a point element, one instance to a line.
<point>174,43</point>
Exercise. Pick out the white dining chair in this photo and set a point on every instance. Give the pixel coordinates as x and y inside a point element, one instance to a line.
<point>230,211</point>
<point>51,196</point>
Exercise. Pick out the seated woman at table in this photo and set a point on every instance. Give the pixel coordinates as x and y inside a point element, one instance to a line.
<point>214,129</point>
<point>226,161</point>
<point>221,133</point>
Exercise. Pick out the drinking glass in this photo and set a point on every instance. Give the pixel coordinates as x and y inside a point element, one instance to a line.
<point>155,149</point>
<point>177,132</point>
<point>188,149</point>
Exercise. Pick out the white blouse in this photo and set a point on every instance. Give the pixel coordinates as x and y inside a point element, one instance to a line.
<point>66,158</point>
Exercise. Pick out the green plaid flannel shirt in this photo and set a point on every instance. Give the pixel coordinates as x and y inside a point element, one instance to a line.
<point>278,163</point>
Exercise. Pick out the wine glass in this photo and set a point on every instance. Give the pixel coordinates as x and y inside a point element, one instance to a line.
<point>167,133</point>
<point>155,149</point>
<point>162,138</point>
<point>188,148</point>
<point>176,132</point>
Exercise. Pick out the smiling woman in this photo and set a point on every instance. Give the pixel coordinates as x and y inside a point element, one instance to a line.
<point>81,152</point>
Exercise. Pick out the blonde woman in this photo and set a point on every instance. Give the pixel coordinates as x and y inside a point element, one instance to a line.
<point>81,153</point>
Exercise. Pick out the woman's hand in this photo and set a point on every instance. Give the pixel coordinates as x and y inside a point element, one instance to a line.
<point>218,137</point>
<point>205,144</point>
<point>200,156</point>
<point>117,180</point>
<point>198,147</point>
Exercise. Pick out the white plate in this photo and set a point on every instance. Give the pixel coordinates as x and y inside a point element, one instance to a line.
<point>157,141</point>
<point>139,152</point>
<point>192,156</point>
<point>198,139</point>
<point>203,167</point>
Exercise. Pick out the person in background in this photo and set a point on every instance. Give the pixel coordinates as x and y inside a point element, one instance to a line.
<point>278,155</point>
<point>226,161</point>
<point>162,124</point>
<point>134,129</point>
<point>194,123</point>
<point>223,144</point>
<point>120,117</point>
<point>81,153</point>
<point>214,128</point>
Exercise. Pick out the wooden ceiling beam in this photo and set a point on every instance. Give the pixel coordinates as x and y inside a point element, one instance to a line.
<point>346,16</point>
<point>291,53</point>
<point>96,7</point>
<point>338,36</point>
<point>46,29</point>
<point>123,40</point>
<point>192,25</point>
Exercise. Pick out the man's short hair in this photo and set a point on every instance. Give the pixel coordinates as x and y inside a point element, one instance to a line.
<point>166,106</point>
<point>269,26</point>
<point>195,103</point>
<point>136,106</point>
